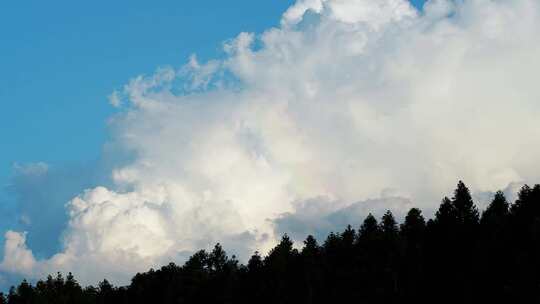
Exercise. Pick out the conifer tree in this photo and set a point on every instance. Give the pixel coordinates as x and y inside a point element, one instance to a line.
<point>282,250</point>
<point>414,226</point>
<point>494,247</point>
<point>332,242</point>
<point>389,226</point>
<point>255,263</point>
<point>523,208</point>
<point>348,237</point>
<point>497,211</point>
<point>311,248</point>
<point>280,256</point>
<point>311,268</point>
<point>369,229</point>
<point>447,215</point>
<point>467,213</point>
<point>413,233</point>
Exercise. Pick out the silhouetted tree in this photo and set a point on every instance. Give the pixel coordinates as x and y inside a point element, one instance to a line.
<point>255,263</point>
<point>348,237</point>
<point>413,229</point>
<point>467,213</point>
<point>447,216</point>
<point>497,212</point>
<point>456,257</point>
<point>412,266</point>
<point>311,249</point>
<point>493,246</point>
<point>369,230</point>
<point>217,259</point>
<point>106,292</point>
<point>312,279</point>
<point>281,266</point>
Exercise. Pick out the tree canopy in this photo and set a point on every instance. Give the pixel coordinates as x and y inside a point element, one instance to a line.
<point>458,256</point>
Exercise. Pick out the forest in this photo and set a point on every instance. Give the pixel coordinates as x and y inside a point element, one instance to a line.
<point>461,255</point>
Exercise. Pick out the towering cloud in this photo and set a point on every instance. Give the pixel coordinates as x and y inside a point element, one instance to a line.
<point>347,106</point>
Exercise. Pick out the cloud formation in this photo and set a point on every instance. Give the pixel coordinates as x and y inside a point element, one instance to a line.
<point>348,106</point>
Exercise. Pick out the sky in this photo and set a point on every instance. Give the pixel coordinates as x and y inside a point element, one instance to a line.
<point>61,60</point>
<point>135,133</point>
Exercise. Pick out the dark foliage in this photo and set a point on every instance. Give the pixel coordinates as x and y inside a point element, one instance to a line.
<point>457,257</point>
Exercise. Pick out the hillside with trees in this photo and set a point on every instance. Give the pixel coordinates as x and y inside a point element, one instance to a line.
<point>461,255</point>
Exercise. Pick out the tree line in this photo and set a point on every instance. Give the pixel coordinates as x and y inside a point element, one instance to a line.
<point>459,256</point>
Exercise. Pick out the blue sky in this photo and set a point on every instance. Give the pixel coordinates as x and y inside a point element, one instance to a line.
<point>61,59</point>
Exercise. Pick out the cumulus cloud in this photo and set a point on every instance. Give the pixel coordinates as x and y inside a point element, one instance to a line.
<point>17,257</point>
<point>369,106</point>
<point>373,14</point>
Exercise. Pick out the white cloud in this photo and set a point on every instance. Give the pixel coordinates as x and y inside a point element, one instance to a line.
<point>295,13</point>
<point>372,102</point>
<point>17,257</point>
<point>373,13</point>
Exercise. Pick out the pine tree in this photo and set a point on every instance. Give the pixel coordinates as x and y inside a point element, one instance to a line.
<point>284,248</point>
<point>311,268</point>
<point>255,263</point>
<point>332,242</point>
<point>369,229</point>
<point>311,248</point>
<point>348,237</point>
<point>280,256</point>
<point>281,266</point>
<point>467,212</point>
<point>414,226</point>
<point>447,214</point>
<point>497,211</point>
<point>413,233</point>
<point>527,206</point>
<point>389,226</point>
<point>494,247</point>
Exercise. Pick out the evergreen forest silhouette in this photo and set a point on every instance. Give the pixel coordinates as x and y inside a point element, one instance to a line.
<point>459,256</point>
